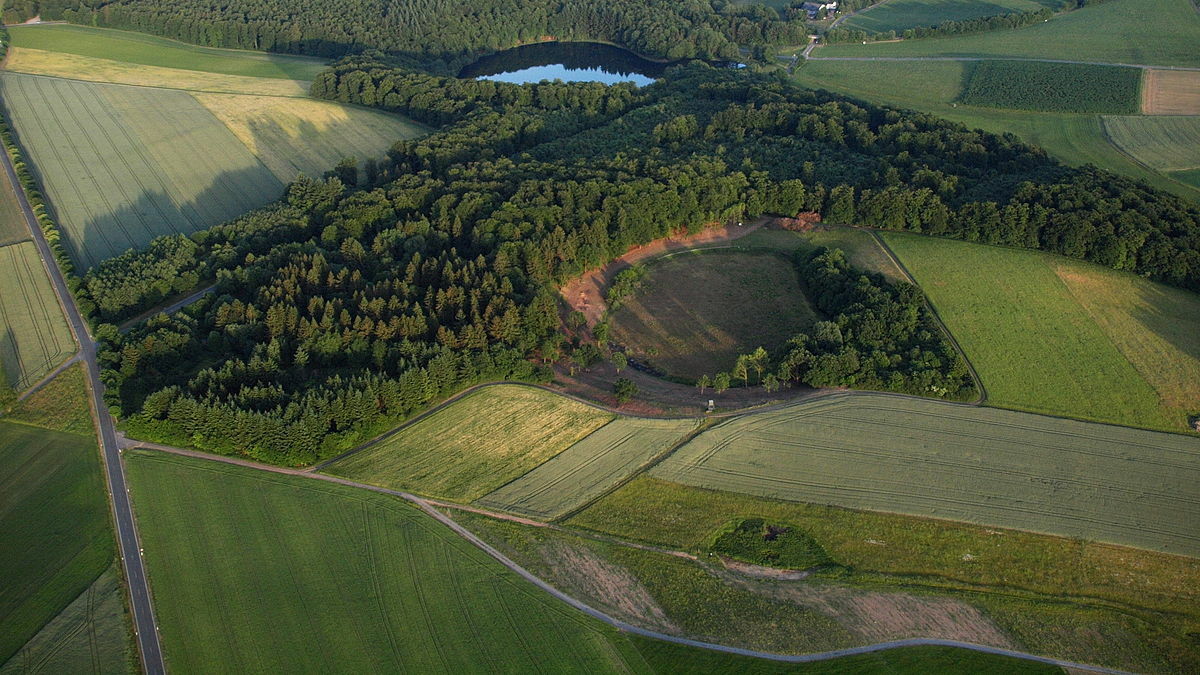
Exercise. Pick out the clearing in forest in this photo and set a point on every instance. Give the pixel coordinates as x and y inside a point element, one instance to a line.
<point>696,311</point>
<point>900,15</point>
<point>1171,92</point>
<point>1168,144</point>
<point>34,337</point>
<point>1036,347</point>
<point>475,444</point>
<point>588,468</point>
<point>954,462</point>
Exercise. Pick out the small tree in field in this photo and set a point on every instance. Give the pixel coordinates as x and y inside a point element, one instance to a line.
<point>721,382</point>
<point>770,382</point>
<point>619,361</point>
<point>703,383</point>
<point>624,389</point>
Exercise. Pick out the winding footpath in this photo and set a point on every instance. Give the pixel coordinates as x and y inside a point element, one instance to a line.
<point>128,543</point>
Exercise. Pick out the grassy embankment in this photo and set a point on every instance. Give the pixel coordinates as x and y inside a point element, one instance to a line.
<point>1060,336</point>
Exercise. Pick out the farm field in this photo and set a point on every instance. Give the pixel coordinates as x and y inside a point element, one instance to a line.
<point>890,552</point>
<point>307,136</point>
<point>475,445</point>
<point>1148,32</point>
<point>55,537</point>
<point>34,337</point>
<point>88,636</point>
<point>181,169</point>
<point>900,15</point>
<point>695,312</point>
<point>1191,177</point>
<point>588,468</point>
<point>238,590</point>
<point>978,465</point>
<point>1054,87</point>
<point>1009,308</point>
<point>1164,143</point>
<point>148,50</point>
<point>1171,92</point>
<point>13,227</point>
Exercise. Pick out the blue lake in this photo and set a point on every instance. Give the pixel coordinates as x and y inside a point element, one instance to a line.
<point>566,61</point>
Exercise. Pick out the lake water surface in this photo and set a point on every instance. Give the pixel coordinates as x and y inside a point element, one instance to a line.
<point>566,61</point>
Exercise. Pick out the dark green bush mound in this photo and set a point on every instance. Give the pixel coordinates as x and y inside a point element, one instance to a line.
<point>1054,87</point>
<point>759,542</point>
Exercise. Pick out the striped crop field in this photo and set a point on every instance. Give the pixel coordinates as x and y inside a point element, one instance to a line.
<point>588,468</point>
<point>978,465</point>
<point>34,337</point>
<point>13,227</point>
<point>122,165</point>
<point>1164,143</point>
<point>1171,92</point>
<point>473,446</point>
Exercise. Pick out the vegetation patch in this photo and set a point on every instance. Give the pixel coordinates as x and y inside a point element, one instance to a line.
<point>589,468</point>
<point>1055,87</point>
<point>760,542</point>
<point>900,15</point>
<point>34,337</point>
<point>473,446</point>
<point>1165,143</point>
<point>696,312</point>
<point>979,465</point>
<point>61,404</point>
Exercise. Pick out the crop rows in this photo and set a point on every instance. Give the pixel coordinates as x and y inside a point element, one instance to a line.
<point>588,468</point>
<point>13,227</point>
<point>122,165</point>
<point>1165,143</point>
<point>977,465</point>
<point>1054,87</point>
<point>34,337</point>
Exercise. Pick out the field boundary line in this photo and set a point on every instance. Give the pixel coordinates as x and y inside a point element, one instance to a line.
<point>429,508</point>
<point>1144,66</point>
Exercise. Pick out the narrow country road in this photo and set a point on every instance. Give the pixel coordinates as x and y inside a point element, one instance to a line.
<point>429,508</point>
<point>127,538</point>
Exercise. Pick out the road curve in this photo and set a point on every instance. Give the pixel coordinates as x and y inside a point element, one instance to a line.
<point>127,537</point>
<point>458,529</point>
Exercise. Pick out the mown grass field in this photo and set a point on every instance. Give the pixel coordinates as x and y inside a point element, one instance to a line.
<point>307,136</point>
<point>978,465</point>
<point>122,165</point>
<point>475,445</point>
<point>287,574</point>
<point>1148,32</point>
<point>149,50</point>
<point>588,468</point>
<point>88,636</point>
<point>1165,143</point>
<point>1171,92</point>
<point>34,337</point>
<point>1036,347</point>
<point>54,528</point>
<point>900,15</point>
<point>1098,603</point>
<point>696,312</point>
<point>1054,87</point>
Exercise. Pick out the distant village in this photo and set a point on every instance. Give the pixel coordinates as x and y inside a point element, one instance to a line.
<point>819,9</point>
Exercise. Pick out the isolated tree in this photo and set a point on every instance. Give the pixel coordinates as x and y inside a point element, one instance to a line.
<point>624,389</point>
<point>741,369</point>
<point>576,319</point>
<point>703,383</point>
<point>721,382</point>
<point>600,332</point>
<point>619,361</point>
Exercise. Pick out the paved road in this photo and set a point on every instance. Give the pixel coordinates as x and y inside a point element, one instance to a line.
<point>429,508</point>
<point>127,538</point>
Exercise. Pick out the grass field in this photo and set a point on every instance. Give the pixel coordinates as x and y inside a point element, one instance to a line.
<point>475,445</point>
<point>34,337</point>
<point>1149,32</point>
<point>307,136</point>
<point>122,165</point>
<point>1123,607</point>
<point>860,246</point>
<point>62,404</point>
<point>76,67</point>
<point>88,636</point>
<point>979,465</point>
<point>1036,347</point>
<point>900,15</point>
<point>1164,143</point>
<point>1171,92</point>
<point>1054,87</point>
<point>148,50</point>
<point>588,468</point>
<point>695,313</point>
<point>13,227</point>
<point>1190,177</point>
<point>54,529</point>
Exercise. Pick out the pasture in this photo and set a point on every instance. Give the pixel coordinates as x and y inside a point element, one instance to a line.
<point>270,562</point>
<point>696,311</point>
<point>1037,348</point>
<point>34,337</point>
<point>1054,87</point>
<point>900,15</point>
<point>54,527</point>
<point>589,468</point>
<point>476,444</point>
<point>1146,32</point>
<point>978,465</point>
<point>148,50</point>
<point>1165,143</point>
<point>121,165</point>
<point>1171,92</point>
<point>307,136</point>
